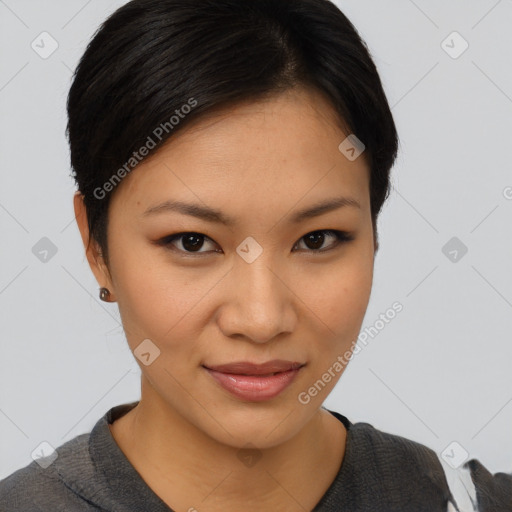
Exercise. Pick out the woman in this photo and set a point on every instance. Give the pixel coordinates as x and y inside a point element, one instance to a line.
<point>231,159</point>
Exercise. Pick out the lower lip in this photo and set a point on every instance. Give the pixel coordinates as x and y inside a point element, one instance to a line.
<point>254,388</point>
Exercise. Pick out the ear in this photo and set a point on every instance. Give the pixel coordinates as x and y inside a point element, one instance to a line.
<point>92,250</point>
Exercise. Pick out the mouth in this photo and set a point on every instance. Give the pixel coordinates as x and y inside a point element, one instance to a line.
<point>255,382</point>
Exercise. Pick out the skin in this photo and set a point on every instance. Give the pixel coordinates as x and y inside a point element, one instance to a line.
<point>259,163</point>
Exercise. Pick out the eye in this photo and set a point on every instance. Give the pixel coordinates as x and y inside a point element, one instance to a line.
<point>191,243</point>
<point>316,239</point>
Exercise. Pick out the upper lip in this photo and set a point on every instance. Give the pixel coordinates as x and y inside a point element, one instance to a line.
<point>248,368</point>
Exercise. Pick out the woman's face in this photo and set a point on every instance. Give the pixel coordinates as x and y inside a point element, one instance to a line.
<point>254,290</point>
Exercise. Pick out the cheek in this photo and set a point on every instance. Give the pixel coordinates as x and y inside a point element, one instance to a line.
<point>338,301</point>
<point>156,298</point>
<point>337,296</point>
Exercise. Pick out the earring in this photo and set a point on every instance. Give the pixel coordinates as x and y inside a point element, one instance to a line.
<point>105,294</point>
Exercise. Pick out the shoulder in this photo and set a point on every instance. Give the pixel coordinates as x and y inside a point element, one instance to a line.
<point>41,485</point>
<point>403,460</point>
<point>417,474</point>
<point>383,471</point>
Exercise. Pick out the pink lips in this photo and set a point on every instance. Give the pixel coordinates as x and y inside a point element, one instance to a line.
<point>255,382</point>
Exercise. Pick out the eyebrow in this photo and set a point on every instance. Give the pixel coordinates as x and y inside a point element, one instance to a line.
<point>216,216</point>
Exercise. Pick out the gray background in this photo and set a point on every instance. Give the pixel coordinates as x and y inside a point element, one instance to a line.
<point>438,372</point>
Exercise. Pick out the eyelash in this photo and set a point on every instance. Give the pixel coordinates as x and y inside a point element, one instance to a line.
<point>342,237</point>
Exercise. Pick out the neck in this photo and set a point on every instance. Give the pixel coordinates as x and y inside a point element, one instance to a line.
<point>189,470</point>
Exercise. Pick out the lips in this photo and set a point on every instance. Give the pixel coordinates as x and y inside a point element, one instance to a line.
<point>254,382</point>
<point>248,368</point>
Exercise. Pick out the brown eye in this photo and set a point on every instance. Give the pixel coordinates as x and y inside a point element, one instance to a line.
<point>315,240</point>
<point>192,242</point>
<point>189,242</point>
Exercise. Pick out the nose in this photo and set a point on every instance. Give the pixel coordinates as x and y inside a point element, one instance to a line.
<point>259,304</point>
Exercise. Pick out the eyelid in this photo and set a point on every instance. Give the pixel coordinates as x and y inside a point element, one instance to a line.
<point>341,236</point>
<point>166,242</point>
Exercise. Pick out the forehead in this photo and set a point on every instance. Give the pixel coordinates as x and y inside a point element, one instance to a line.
<point>283,147</point>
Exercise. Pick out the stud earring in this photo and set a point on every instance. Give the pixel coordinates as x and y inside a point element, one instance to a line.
<point>105,294</point>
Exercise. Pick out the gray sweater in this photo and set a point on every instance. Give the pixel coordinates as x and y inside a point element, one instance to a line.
<point>380,472</point>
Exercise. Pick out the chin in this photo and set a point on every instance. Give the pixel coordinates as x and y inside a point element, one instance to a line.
<point>265,425</point>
